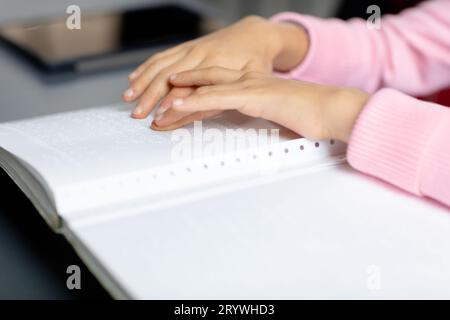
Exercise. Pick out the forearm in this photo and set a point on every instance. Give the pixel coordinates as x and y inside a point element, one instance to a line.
<point>294,46</point>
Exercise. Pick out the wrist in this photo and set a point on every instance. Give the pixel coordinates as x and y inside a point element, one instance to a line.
<point>342,111</point>
<point>268,31</point>
<point>293,45</point>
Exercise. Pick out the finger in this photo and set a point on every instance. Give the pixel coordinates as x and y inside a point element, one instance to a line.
<point>220,97</point>
<point>206,76</point>
<point>166,103</point>
<point>157,56</point>
<point>138,86</point>
<point>170,116</point>
<point>159,87</point>
<point>197,116</point>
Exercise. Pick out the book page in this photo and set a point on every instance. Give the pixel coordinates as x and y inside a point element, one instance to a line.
<point>97,156</point>
<point>316,236</point>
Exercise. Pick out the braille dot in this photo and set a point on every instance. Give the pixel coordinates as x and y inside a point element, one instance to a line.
<point>286,150</point>
<point>238,160</point>
<point>270,153</point>
<point>331,141</point>
<point>205,166</point>
<point>302,148</point>
<point>172,173</point>
<point>188,170</point>
<point>222,163</point>
<point>254,156</point>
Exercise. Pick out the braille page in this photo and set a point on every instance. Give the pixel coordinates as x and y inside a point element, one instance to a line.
<point>101,156</point>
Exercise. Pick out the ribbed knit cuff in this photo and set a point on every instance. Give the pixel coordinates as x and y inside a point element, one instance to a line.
<point>391,138</point>
<point>435,181</point>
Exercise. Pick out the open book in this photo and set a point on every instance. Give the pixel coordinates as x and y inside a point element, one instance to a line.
<point>87,162</point>
<point>229,208</point>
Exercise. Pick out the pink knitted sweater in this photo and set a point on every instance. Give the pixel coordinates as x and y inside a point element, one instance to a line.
<point>397,137</point>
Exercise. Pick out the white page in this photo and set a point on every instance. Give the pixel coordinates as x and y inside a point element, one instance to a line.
<point>101,156</point>
<point>330,234</point>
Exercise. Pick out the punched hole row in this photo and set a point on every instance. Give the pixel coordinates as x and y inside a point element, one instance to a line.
<point>254,157</point>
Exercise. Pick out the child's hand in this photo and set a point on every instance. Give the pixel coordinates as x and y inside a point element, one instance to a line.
<point>313,111</point>
<point>167,118</point>
<point>252,44</point>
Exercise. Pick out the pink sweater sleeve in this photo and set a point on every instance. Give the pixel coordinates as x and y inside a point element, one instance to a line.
<point>409,53</point>
<point>404,141</point>
<point>397,138</point>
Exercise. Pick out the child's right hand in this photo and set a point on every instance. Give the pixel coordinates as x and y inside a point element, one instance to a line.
<point>252,44</point>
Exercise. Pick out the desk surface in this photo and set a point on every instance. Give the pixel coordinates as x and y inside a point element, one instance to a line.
<point>33,260</point>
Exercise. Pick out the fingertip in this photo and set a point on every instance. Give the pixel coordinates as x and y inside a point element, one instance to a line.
<point>179,104</point>
<point>127,99</point>
<point>155,126</point>
<point>175,79</point>
<point>146,104</point>
<point>135,116</point>
<point>138,113</point>
<point>133,75</point>
<point>129,94</point>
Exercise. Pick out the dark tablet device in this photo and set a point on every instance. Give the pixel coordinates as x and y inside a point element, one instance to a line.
<point>106,40</point>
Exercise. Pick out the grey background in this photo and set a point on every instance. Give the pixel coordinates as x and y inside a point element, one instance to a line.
<point>33,260</point>
<point>232,9</point>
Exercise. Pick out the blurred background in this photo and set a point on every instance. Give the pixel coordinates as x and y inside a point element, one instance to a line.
<point>231,9</point>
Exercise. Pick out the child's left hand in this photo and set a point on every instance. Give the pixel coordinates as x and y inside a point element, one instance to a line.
<point>313,111</point>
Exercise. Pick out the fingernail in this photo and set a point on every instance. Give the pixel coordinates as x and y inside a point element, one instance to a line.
<point>178,102</point>
<point>173,77</point>
<point>129,93</point>
<point>158,117</point>
<point>132,75</point>
<point>137,111</point>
